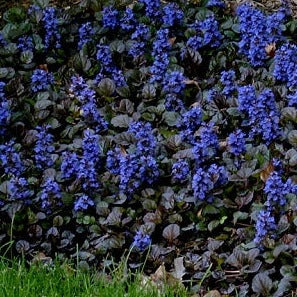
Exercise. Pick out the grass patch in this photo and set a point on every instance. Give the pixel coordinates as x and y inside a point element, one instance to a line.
<point>58,280</point>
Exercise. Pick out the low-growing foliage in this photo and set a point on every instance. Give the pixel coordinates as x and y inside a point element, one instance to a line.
<point>169,125</point>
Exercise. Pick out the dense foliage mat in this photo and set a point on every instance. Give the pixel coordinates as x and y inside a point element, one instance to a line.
<point>166,129</point>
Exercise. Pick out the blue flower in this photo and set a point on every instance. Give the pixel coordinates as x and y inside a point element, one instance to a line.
<point>83,202</point>
<point>19,190</point>
<point>152,8</point>
<point>91,147</point>
<point>190,123</point>
<point>207,34</point>
<point>113,159</point>
<point>51,28</point>
<point>10,159</point>
<point>180,171</point>
<point>88,175</point>
<point>69,165</point>
<point>227,79</point>
<point>50,195</point>
<point>128,21</point>
<point>141,241</point>
<point>81,90</point>
<point>236,142</point>
<point>139,36</point>
<point>174,103</point>
<point>104,57</point>
<point>25,43</point>
<point>174,82</point>
<point>216,3</point>
<point>265,224</point>
<point>110,17</point>
<point>41,80</point>
<point>172,14</point>
<point>86,31</point>
<point>44,148</point>
<point>292,99</point>
<point>257,31</point>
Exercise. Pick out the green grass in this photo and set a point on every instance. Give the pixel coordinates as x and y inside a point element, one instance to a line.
<point>17,280</point>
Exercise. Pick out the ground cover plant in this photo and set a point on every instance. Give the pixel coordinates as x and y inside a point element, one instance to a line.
<point>167,129</point>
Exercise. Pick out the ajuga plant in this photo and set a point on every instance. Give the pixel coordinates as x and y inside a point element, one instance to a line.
<point>166,128</point>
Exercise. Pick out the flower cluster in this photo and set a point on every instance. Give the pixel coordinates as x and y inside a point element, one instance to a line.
<point>161,47</point>
<point>180,170</point>
<point>87,97</point>
<point>50,195</point>
<point>141,241</point>
<point>41,80</point>
<point>190,123</point>
<point>227,80</point>
<point>216,3</point>
<point>51,28</point>
<point>208,145</point>
<point>108,67</point>
<point>152,8</point>
<point>139,37</point>
<point>258,31</point>
<point>262,112</point>
<point>10,159</point>
<point>128,21</point>
<point>69,165</point>
<point>110,17</point>
<point>25,43</point>
<point>19,190</point>
<point>91,148</point>
<point>5,112</point>
<point>172,14</point>
<point>265,224</point>
<point>86,32</point>
<point>44,148</point>
<point>207,34</point>
<point>236,142</point>
<point>207,179</point>
<point>285,67</point>
<point>83,202</point>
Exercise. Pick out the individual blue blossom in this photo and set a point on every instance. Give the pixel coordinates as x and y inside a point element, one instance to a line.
<point>113,158</point>
<point>174,82</point>
<point>52,35</point>
<point>139,37</point>
<point>83,202</point>
<point>285,64</point>
<point>257,31</point>
<point>172,14</point>
<point>180,170</point>
<point>81,90</point>
<point>265,223</point>
<point>227,79</point>
<point>50,195</point>
<point>236,142</point>
<point>161,47</point>
<point>5,115</point>
<point>110,17</point>
<point>212,95</point>
<point>34,8</point>
<point>207,34</point>
<point>3,42</point>
<point>69,165</point>
<point>93,117</point>
<point>208,144</point>
<point>190,123</point>
<point>263,116</point>
<point>41,80</point>
<point>44,148</point>
<point>292,98</point>
<point>206,180</point>
<point>104,57</point>
<point>25,43</point>
<point>10,159</point>
<point>90,146</point>
<point>86,32</point>
<point>88,175</point>
<point>19,190</point>
<point>128,21</point>
<point>152,8</point>
<point>216,3</point>
<point>276,190</point>
<point>146,142</point>
<point>118,77</point>
<point>174,103</point>
<point>141,241</point>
